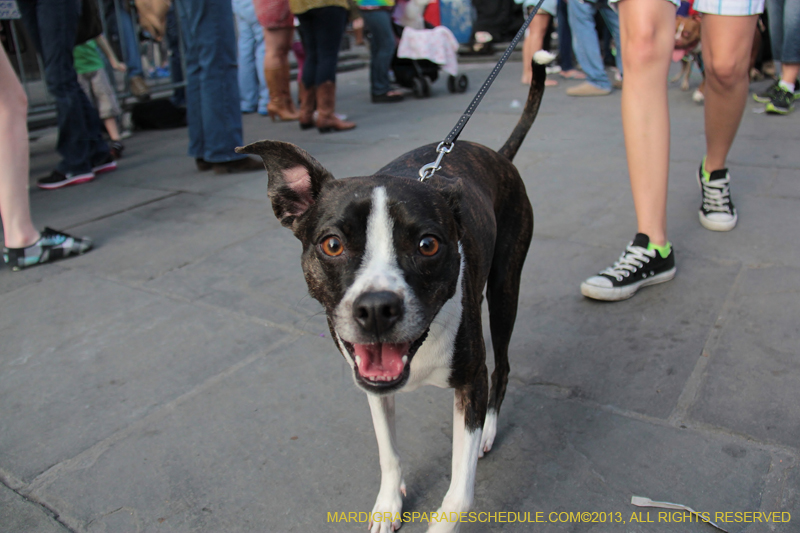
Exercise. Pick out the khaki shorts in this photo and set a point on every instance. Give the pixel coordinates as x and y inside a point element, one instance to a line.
<point>99,91</point>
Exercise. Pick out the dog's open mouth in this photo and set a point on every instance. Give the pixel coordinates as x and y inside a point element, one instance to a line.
<point>384,365</point>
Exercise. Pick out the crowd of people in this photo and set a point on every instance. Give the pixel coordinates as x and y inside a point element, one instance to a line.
<point>225,79</point>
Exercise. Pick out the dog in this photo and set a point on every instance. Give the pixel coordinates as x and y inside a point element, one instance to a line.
<point>688,50</point>
<point>400,267</point>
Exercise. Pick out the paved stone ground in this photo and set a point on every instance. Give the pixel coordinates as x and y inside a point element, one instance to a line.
<point>178,378</point>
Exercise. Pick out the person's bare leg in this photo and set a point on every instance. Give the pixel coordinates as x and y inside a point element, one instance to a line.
<point>112,128</point>
<point>727,42</point>
<point>533,43</point>
<point>277,43</point>
<point>647,30</point>
<point>18,229</point>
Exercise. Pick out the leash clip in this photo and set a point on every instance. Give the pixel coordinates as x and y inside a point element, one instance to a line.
<point>427,171</point>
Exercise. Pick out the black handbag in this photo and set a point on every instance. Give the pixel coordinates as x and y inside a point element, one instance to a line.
<point>89,25</point>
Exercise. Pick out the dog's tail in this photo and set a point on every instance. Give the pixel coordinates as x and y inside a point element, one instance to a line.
<point>509,149</point>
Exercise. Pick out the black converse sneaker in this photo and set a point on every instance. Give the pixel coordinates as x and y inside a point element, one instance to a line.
<point>717,212</point>
<point>51,245</point>
<point>636,267</point>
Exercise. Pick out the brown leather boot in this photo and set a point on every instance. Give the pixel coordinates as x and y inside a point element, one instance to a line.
<point>308,102</point>
<point>327,121</point>
<point>280,104</point>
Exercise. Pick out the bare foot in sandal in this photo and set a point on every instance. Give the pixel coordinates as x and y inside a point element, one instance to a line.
<point>573,74</point>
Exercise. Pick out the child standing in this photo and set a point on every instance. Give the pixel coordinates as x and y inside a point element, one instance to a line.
<point>95,83</point>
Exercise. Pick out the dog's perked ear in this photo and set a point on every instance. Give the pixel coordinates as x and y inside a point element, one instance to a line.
<point>295,178</point>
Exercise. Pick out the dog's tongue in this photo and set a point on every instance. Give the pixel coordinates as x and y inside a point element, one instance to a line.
<point>677,54</point>
<point>380,360</point>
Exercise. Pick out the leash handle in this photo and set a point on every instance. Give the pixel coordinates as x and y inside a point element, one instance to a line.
<point>447,145</point>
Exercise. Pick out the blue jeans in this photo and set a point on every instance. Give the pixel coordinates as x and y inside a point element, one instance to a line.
<point>784,29</point>
<point>175,64</point>
<point>52,25</point>
<point>381,46</point>
<point>564,37</point>
<point>131,53</point>
<point>321,30</point>
<point>585,39</point>
<point>252,85</point>
<point>212,89</point>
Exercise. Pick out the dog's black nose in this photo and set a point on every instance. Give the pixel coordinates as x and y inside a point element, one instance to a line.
<point>377,312</point>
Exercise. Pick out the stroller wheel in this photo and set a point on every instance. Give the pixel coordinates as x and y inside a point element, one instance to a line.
<point>461,83</point>
<point>418,87</point>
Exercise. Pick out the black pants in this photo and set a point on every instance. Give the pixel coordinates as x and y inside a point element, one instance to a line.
<point>321,31</point>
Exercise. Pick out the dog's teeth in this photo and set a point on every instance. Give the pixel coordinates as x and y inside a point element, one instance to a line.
<point>405,359</point>
<point>358,360</point>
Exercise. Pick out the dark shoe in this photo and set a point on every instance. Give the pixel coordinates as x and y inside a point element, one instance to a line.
<point>781,103</point>
<point>766,96</point>
<point>105,164</point>
<point>386,98</point>
<point>637,267</point>
<point>717,212</point>
<point>202,164</point>
<point>51,245</point>
<point>139,88</point>
<point>116,149</point>
<point>247,164</point>
<point>56,179</point>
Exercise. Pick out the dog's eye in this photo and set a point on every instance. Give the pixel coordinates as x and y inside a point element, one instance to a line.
<point>428,246</point>
<point>332,247</point>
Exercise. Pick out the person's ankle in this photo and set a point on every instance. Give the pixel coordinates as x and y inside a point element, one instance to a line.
<point>711,164</point>
<point>21,239</point>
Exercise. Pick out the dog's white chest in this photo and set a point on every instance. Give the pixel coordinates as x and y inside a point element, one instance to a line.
<point>432,363</point>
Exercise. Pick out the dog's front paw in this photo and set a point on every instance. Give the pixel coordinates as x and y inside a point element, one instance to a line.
<point>489,432</point>
<point>385,516</point>
<point>685,84</point>
<point>449,524</point>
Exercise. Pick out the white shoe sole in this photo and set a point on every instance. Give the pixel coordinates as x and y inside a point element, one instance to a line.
<point>615,294</point>
<point>717,225</point>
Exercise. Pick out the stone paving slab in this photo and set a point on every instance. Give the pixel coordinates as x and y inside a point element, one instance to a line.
<point>144,243</point>
<point>75,382</point>
<point>260,276</point>
<point>20,515</point>
<point>752,386</point>
<point>618,353</point>
<point>238,458</point>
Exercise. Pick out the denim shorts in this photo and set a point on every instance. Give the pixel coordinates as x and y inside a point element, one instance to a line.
<point>676,2</point>
<point>724,7</point>
<point>730,7</point>
<point>548,6</point>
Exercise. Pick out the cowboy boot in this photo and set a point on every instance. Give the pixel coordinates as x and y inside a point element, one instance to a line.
<point>308,102</point>
<point>279,107</point>
<point>327,120</point>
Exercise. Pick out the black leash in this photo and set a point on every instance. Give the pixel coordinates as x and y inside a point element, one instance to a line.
<point>446,146</point>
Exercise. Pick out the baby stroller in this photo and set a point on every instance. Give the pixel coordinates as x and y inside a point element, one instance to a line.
<point>420,55</point>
